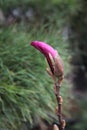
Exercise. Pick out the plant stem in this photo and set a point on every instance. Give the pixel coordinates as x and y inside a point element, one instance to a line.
<point>59,103</point>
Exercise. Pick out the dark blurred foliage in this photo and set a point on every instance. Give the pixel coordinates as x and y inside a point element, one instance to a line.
<point>78,25</point>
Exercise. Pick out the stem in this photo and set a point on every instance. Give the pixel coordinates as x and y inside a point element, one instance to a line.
<point>59,103</point>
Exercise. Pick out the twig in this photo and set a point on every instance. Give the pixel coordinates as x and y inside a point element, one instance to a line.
<point>59,103</point>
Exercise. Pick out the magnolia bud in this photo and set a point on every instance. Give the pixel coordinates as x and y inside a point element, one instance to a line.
<point>63,124</point>
<point>56,110</point>
<point>60,99</point>
<point>55,127</point>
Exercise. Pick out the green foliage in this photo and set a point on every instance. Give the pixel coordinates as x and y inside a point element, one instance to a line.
<point>25,87</point>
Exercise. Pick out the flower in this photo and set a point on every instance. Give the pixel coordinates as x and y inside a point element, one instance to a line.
<point>46,50</point>
<point>52,56</point>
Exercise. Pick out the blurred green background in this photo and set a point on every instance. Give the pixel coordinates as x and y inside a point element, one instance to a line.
<point>27,99</point>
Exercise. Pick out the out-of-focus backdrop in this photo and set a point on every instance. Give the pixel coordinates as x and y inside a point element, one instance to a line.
<point>27,100</point>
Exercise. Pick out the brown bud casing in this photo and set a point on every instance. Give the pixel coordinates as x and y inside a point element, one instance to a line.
<point>59,69</point>
<point>60,100</point>
<point>55,127</point>
<point>56,110</point>
<point>63,124</point>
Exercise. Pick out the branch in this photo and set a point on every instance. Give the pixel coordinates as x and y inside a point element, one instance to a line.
<point>59,103</point>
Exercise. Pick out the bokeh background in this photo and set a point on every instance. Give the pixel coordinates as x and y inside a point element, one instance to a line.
<point>27,100</point>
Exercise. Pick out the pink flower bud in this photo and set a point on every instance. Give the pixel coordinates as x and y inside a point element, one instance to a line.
<point>52,57</point>
<point>46,50</point>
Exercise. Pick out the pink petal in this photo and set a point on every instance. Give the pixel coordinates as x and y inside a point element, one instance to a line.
<point>44,48</point>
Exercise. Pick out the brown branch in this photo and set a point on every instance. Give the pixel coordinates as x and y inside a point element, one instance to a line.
<point>59,103</point>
